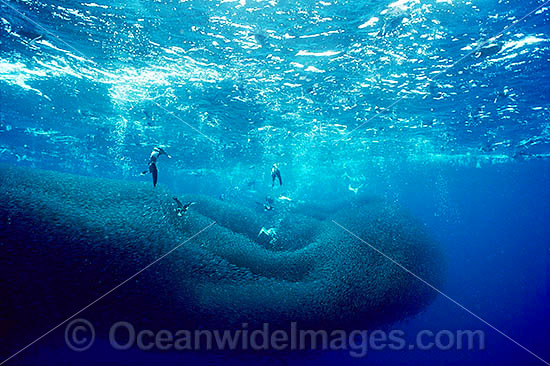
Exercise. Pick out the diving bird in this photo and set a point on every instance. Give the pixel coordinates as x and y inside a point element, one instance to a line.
<point>354,189</point>
<point>181,209</point>
<point>275,173</point>
<point>488,50</point>
<point>157,151</point>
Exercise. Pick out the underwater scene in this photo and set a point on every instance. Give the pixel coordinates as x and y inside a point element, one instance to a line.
<point>273,182</point>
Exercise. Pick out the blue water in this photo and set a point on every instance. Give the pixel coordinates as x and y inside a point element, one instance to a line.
<point>439,106</point>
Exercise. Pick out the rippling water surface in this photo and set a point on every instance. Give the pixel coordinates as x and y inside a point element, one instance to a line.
<point>300,81</point>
